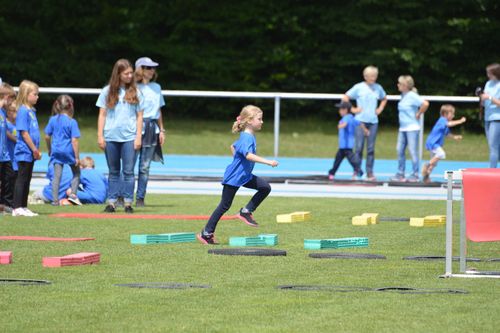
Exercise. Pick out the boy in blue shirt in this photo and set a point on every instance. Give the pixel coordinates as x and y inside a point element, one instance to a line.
<point>435,140</point>
<point>347,126</point>
<point>93,185</point>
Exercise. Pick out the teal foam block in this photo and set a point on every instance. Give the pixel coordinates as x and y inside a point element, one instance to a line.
<point>180,237</point>
<point>260,240</point>
<point>338,243</point>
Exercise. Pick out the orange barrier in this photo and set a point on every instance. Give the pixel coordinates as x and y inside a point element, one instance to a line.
<point>481,190</point>
<point>46,239</point>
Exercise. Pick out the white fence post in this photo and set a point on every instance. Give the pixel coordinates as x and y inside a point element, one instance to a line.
<point>277,100</point>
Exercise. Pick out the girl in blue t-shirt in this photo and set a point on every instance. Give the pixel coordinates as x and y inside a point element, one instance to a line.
<point>435,140</point>
<point>28,141</point>
<point>410,107</point>
<point>239,173</point>
<point>61,135</point>
<point>119,132</point>
<point>7,177</point>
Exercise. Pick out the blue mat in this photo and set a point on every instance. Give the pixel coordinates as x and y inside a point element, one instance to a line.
<point>214,166</point>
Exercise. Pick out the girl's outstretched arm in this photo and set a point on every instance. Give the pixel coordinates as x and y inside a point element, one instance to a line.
<point>257,159</point>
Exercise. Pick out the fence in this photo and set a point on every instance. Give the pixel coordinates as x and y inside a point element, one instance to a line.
<point>277,96</point>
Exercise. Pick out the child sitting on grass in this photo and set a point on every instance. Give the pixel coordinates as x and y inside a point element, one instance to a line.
<point>435,140</point>
<point>347,126</point>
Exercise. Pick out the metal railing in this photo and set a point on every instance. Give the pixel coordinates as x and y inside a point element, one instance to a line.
<point>277,96</point>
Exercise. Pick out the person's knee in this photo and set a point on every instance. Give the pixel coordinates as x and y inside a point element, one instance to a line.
<point>265,189</point>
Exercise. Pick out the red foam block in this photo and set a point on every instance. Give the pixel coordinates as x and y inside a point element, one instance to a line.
<point>46,239</point>
<point>5,257</point>
<point>482,204</point>
<point>76,259</point>
<point>138,216</point>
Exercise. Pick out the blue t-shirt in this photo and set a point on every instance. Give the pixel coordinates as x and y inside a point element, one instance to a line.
<point>12,144</point>
<point>121,121</point>
<point>346,134</point>
<point>4,153</point>
<point>66,177</point>
<point>62,128</point>
<point>367,97</point>
<point>239,172</point>
<point>491,110</point>
<point>408,107</point>
<point>438,133</point>
<point>94,187</point>
<point>26,121</point>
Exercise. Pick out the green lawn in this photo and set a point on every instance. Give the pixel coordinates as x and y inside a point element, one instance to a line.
<point>298,138</point>
<point>243,297</point>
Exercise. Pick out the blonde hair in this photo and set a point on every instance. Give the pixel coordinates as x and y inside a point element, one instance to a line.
<point>408,81</point>
<point>246,115</point>
<point>494,69</point>
<point>6,90</point>
<point>63,103</point>
<point>87,162</point>
<point>370,70</point>
<point>25,88</point>
<point>446,108</point>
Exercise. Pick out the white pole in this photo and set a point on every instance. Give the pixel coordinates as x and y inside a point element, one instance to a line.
<point>449,224</point>
<point>421,141</point>
<point>276,125</point>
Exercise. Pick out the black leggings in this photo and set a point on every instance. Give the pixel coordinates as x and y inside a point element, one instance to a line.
<point>7,180</point>
<point>228,192</point>
<point>351,157</point>
<point>23,180</point>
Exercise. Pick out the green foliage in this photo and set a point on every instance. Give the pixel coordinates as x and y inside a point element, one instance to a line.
<point>293,45</point>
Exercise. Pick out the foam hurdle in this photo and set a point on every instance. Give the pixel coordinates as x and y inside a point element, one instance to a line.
<point>260,240</point>
<point>428,221</point>
<point>338,243</point>
<point>180,237</point>
<point>293,217</point>
<point>365,219</point>
<point>5,257</point>
<point>77,259</point>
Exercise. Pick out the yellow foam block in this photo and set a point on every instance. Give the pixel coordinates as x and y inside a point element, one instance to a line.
<point>440,219</point>
<point>416,221</point>
<point>361,220</point>
<point>372,217</point>
<point>293,217</point>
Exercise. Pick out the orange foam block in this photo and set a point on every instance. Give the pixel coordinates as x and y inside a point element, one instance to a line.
<point>82,258</point>
<point>482,204</point>
<point>5,257</point>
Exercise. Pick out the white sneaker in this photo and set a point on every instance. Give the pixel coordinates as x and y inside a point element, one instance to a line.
<point>19,212</point>
<point>29,212</point>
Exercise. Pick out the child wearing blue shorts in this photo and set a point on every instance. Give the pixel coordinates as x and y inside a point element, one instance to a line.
<point>435,140</point>
<point>239,173</point>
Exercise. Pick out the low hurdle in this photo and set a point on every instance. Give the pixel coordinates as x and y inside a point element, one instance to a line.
<point>479,203</point>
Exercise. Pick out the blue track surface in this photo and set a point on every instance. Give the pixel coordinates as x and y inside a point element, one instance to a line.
<point>214,166</point>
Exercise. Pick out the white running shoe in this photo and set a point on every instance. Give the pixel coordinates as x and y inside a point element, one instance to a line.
<point>19,212</point>
<point>29,212</point>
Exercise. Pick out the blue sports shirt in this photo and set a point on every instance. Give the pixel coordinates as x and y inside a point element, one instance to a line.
<point>437,134</point>
<point>12,144</point>
<point>491,110</point>
<point>367,97</point>
<point>62,128</point>
<point>4,152</point>
<point>239,172</point>
<point>346,134</point>
<point>408,107</point>
<point>26,121</point>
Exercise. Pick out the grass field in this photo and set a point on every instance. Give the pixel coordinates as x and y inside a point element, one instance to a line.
<point>243,297</point>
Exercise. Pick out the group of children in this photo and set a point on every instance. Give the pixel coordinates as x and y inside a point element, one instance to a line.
<point>19,149</point>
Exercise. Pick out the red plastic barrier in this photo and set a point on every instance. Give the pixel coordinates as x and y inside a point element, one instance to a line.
<point>46,239</point>
<point>82,258</point>
<point>5,257</point>
<point>138,216</point>
<point>482,204</point>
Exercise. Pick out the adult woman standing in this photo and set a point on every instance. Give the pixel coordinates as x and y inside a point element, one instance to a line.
<point>490,98</point>
<point>153,135</point>
<point>410,107</point>
<point>119,129</point>
<point>367,95</point>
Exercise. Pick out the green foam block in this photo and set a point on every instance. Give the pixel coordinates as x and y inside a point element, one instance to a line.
<point>338,243</point>
<point>260,240</point>
<point>181,237</point>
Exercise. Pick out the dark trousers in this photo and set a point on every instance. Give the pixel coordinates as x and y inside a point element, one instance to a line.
<point>228,192</point>
<point>7,183</point>
<point>351,157</point>
<point>22,187</point>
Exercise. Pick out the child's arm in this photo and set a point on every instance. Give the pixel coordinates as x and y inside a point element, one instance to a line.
<point>101,120</point>
<point>257,159</point>
<point>76,149</point>
<point>138,133</point>
<point>27,138</point>
<point>365,130</point>
<point>342,125</point>
<point>455,137</point>
<point>48,141</point>
<point>453,123</point>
